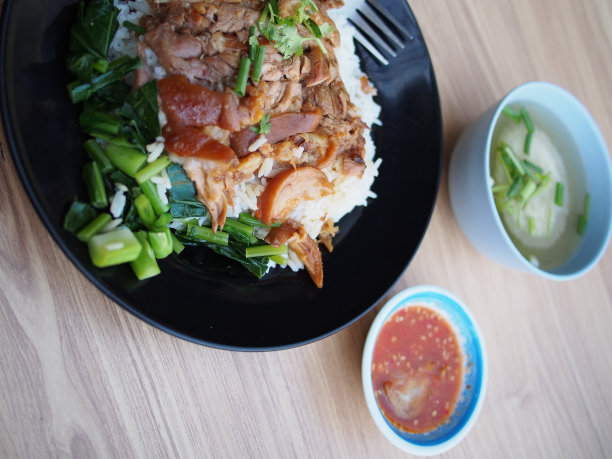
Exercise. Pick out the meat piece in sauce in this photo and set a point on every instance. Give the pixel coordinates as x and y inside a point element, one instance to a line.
<point>198,46</point>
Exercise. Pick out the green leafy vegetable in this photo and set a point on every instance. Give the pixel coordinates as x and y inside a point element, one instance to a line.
<point>79,214</point>
<point>94,28</point>
<point>182,197</point>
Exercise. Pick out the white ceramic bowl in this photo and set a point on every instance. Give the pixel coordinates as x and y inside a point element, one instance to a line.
<point>472,200</point>
<point>475,374</point>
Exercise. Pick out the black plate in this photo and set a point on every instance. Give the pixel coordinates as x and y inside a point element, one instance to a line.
<point>198,297</point>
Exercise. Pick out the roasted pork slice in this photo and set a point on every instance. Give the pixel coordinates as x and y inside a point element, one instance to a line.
<point>305,247</point>
<point>287,189</point>
<point>282,125</point>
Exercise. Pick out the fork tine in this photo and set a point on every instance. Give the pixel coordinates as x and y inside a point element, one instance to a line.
<point>377,5</point>
<point>373,16</point>
<point>367,45</point>
<point>375,37</point>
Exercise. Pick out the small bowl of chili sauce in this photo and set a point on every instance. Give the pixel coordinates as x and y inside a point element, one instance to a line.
<point>424,370</point>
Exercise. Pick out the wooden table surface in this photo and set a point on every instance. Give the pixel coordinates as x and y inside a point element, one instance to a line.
<point>79,376</point>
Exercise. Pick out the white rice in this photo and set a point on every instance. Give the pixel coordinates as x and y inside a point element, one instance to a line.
<point>348,191</point>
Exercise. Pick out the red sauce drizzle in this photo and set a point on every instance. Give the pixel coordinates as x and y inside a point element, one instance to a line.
<point>417,369</point>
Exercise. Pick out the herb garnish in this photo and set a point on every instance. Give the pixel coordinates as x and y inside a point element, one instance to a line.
<point>264,125</point>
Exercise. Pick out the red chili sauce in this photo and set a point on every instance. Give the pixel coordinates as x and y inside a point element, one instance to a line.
<point>417,369</point>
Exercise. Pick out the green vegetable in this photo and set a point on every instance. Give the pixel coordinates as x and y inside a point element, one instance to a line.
<point>258,63</point>
<point>161,242</point>
<point>149,189</point>
<point>206,234</point>
<point>264,125</point>
<point>241,232</point>
<point>96,153</point>
<point>151,169</point>
<point>145,210</point>
<point>243,76</point>
<point>527,191</point>
<point>283,32</point>
<point>559,194</point>
<point>95,26</point>
<point>177,246</point>
<point>99,124</point>
<point>145,265</point>
<point>182,197</point>
<point>527,119</point>
<point>278,259</point>
<point>134,28</point>
<point>583,219</point>
<point>247,218</point>
<point>532,226</point>
<point>94,227</point>
<point>515,187</point>
<point>265,250</point>
<point>127,160</point>
<point>80,91</point>
<point>79,214</point>
<point>509,153</point>
<point>527,145</point>
<point>95,185</point>
<point>140,115</point>
<point>114,247</point>
<point>163,220</point>
<point>511,113</point>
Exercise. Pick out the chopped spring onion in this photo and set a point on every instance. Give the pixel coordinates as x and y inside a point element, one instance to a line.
<point>163,220</point>
<point>527,145</point>
<point>532,166</point>
<point>265,250</point>
<point>526,192</point>
<point>507,150</point>
<point>515,187</point>
<point>258,63</point>
<point>532,226</point>
<point>584,218</point>
<point>512,114</point>
<point>527,120</point>
<point>243,76</point>
<point>559,194</point>
<point>500,188</point>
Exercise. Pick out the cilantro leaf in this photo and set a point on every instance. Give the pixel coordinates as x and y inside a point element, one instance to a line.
<point>264,125</point>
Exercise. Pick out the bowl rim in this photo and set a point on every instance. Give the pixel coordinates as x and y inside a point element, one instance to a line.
<point>398,301</point>
<point>510,97</point>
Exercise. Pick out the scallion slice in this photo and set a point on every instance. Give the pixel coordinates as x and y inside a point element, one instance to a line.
<point>515,187</point>
<point>559,194</point>
<point>511,113</point>
<point>527,145</point>
<point>527,119</point>
<point>243,76</point>
<point>584,218</point>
